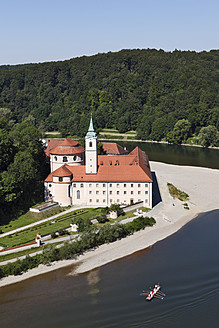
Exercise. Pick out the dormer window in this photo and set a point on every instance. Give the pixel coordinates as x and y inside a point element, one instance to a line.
<point>74,158</point>
<point>65,159</point>
<point>55,158</point>
<point>60,179</point>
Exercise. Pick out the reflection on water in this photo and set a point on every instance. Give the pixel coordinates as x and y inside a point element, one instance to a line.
<point>93,279</point>
<point>186,265</point>
<point>179,155</point>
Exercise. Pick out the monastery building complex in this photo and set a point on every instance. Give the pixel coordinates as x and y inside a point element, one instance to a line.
<point>82,177</point>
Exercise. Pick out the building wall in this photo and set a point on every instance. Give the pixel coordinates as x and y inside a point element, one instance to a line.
<point>57,161</point>
<point>106,194</point>
<point>91,155</point>
<point>62,193</point>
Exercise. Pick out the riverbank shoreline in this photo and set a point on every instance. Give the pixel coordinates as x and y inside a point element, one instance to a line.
<point>201,184</point>
<point>154,141</point>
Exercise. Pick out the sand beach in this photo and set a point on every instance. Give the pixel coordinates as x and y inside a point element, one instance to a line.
<point>202,186</point>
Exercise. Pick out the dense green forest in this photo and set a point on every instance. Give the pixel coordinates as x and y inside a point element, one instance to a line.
<point>22,168</point>
<point>144,90</point>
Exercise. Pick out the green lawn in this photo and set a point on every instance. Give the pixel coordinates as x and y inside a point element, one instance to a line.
<point>29,218</point>
<point>63,221</point>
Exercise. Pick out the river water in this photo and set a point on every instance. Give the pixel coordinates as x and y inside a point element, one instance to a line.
<point>186,264</point>
<point>179,155</point>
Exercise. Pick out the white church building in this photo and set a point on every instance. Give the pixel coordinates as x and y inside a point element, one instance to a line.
<point>82,177</point>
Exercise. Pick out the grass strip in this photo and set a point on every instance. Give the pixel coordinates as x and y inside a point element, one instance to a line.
<point>176,193</point>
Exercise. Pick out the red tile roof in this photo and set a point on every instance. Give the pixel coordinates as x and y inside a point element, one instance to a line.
<point>116,168</point>
<point>112,148</point>
<point>51,144</point>
<point>68,142</point>
<point>62,171</point>
<point>67,150</point>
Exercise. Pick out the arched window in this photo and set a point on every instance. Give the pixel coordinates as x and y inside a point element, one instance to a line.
<point>78,194</point>
<point>90,144</point>
<point>65,159</point>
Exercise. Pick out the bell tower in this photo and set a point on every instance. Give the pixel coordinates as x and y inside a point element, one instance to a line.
<point>91,150</point>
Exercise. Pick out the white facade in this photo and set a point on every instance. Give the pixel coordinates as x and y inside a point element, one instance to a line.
<point>106,194</point>
<point>57,161</point>
<point>91,155</point>
<point>71,182</point>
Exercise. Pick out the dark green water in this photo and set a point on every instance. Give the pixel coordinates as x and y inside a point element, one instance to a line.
<point>180,155</point>
<point>186,264</point>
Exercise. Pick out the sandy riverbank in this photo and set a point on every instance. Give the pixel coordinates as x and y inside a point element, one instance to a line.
<point>200,183</point>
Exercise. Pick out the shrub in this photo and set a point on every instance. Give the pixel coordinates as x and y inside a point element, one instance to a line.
<point>176,193</point>
<point>102,218</point>
<point>53,235</point>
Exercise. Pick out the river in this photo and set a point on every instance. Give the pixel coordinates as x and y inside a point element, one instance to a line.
<point>180,155</point>
<point>186,264</point>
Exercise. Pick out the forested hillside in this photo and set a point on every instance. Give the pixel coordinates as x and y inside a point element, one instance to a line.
<point>143,90</point>
<point>22,168</point>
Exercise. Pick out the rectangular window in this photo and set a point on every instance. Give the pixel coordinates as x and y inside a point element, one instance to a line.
<point>146,200</point>
<point>111,192</point>
<point>90,185</point>
<point>97,185</point>
<point>97,192</point>
<point>104,192</point>
<point>125,192</point>
<point>97,200</point>
<point>124,185</point>
<point>111,200</point>
<point>117,201</point>
<point>139,185</point>
<point>90,192</point>
<point>139,193</point>
<point>146,192</point>
<point>139,200</point>
<point>131,192</point>
<point>110,185</point>
<point>104,200</point>
<point>60,179</point>
<point>74,185</point>
<point>117,185</point>
<point>82,185</point>
<point>146,185</point>
<point>131,185</point>
<point>90,200</point>
<point>117,192</point>
<point>104,185</point>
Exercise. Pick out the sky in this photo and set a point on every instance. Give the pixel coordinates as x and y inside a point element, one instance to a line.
<point>33,31</point>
